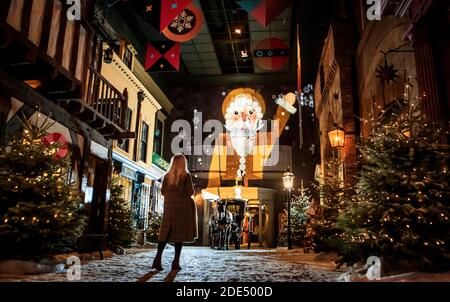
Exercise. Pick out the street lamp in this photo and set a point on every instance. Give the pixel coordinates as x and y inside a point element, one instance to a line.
<point>337,136</point>
<point>288,182</point>
<point>108,55</point>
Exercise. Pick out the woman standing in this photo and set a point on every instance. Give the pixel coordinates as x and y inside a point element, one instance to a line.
<point>179,223</point>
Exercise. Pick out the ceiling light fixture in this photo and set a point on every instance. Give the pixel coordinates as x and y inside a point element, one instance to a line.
<point>238,31</point>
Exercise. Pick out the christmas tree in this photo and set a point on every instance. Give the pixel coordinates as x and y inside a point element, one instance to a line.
<point>39,210</point>
<point>333,199</point>
<point>299,216</point>
<point>154,224</point>
<point>403,205</point>
<point>120,226</point>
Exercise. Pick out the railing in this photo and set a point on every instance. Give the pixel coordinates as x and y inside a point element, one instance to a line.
<point>105,98</point>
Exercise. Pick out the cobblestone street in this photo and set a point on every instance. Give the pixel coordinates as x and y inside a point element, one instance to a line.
<point>198,264</point>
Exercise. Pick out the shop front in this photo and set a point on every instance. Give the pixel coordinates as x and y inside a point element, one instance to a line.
<point>142,188</point>
<point>258,223</point>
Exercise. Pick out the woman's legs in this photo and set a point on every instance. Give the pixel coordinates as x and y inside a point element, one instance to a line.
<point>176,259</point>
<point>157,260</point>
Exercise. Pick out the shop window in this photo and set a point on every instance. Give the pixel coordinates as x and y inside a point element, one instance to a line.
<point>144,142</point>
<point>125,145</point>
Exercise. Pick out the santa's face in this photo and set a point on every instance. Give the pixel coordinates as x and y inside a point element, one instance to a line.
<point>243,114</point>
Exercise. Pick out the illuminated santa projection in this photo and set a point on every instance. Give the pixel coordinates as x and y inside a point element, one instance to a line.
<point>246,157</point>
<point>242,121</point>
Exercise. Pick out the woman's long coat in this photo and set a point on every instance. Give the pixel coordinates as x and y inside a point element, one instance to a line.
<point>179,223</point>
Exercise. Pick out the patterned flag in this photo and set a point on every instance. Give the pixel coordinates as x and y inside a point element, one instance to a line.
<point>264,11</point>
<point>271,53</point>
<point>162,56</point>
<point>186,26</point>
<point>159,13</point>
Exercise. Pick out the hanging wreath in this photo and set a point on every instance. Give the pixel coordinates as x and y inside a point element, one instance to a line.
<point>57,140</point>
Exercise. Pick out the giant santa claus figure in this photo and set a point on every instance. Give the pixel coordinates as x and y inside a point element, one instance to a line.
<point>241,152</point>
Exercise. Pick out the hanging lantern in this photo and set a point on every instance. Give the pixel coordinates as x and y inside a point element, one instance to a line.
<point>288,180</point>
<point>337,136</point>
<point>108,55</point>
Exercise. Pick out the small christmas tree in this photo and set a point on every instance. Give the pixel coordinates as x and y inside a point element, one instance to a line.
<point>154,224</point>
<point>120,227</point>
<point>403,206</point>
<point>333,199</point>
<point>40,211</point>
<point>299,216</point>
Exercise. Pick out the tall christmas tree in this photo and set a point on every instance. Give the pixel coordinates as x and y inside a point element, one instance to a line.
<point>120,227</point>
<point>333,199</point>
<point>403,207</point>
<point>299,216</point>
<point>39,210</point>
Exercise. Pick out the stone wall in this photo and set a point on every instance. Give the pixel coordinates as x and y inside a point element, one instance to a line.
<point>335,96</point>
<point>374,95</point>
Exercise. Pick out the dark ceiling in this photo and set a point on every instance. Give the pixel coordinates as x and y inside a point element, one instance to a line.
<point>214,56</point>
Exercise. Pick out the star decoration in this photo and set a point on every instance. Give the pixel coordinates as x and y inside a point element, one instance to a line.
<point>149,8</point>
<point>196,120</point>
<point>182,22</point>
<point>386,73</point>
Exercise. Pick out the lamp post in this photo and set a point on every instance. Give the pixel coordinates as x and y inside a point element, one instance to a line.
<point>288,182</point>
<point>337,139</point>
<point>337,136</point>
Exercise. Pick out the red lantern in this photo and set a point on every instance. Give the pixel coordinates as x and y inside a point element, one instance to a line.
<point>51,138</point>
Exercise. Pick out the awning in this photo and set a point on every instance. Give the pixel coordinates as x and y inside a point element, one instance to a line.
<point>153,173</point>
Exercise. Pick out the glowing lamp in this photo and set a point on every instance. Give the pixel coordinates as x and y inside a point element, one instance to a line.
<point>288,180</point>
<point>337,136</point>
<point>238,192</point>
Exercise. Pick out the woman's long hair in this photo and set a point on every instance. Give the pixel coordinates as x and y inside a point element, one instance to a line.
<point>178,169</point>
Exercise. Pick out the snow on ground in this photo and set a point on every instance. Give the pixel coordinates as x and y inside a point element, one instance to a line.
<point>202,264</point>
<point>198,264</point>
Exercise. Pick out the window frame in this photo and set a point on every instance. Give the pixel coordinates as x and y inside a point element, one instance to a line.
<point>143,144</point>
<point>125,146</point>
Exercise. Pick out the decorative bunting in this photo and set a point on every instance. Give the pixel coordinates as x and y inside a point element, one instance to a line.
<point>162,56</point>
<point>186,25</point>
<point>159,13</point>
<point>264,11</point>
<point>271,54</point>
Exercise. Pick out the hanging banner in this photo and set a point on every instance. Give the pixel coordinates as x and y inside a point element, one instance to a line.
<point>162,56</point>
<point>159,13</point>
<point>186,25</point>
<point>264,11</point>
<point>271,54</point>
